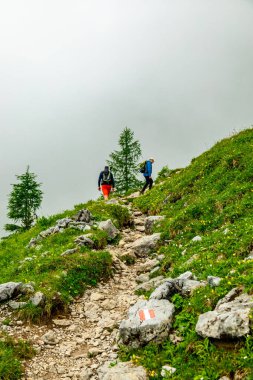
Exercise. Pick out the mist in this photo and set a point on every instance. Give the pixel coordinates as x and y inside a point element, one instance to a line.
<point>74,74</point>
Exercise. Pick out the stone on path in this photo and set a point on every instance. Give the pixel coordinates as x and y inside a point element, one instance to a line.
<point>150,284</point>
<point>229,319</point>
<point>147,321</point>
<point>109,228</point>
<point>122,371</point>
<point>62,322</point>
<point>146,244</point>
<point>147,266</point>
<point>16,305</point>
<point>50,338</point>
<point>9,290</point>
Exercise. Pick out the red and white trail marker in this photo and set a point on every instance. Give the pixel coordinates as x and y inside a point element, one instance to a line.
<point>146,314</point>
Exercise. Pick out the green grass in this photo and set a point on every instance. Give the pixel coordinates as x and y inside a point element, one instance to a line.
<point>60,278</point>
<point>11,353</point>
<point>212,198</point>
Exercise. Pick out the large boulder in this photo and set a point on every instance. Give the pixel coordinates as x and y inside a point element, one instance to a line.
<point>9,290</point>
<point>146,244</point>
<point>230,319</point>
<point>109,228</point>
<point>183,284</point>
<point>122,371</point>
<point>147,321</point>
<point>150,222</point>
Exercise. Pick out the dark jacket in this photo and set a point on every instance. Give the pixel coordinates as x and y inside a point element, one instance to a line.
<point>102,182</point>
<point>148,169</point>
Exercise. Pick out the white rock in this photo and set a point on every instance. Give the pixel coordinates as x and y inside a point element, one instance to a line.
<point>16,305</point>
<point>62,322</point>
<point>50,338</point>
<point>146,244</point>
<point>38,299</point>
<point>97,297</point>
<point>167,370</point>
<point>197,238</point>
<point>9,290</point>
<point>213,281</point>
<point>122,371</point>
<point>229,319</point>
<point>150,284</point>
<point>147,321</point>
<point>109,228</point>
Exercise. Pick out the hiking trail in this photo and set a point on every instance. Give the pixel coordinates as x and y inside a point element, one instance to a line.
<point>74,346</point>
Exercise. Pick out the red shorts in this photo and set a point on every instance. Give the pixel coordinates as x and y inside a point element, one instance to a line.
<point>106,189</point>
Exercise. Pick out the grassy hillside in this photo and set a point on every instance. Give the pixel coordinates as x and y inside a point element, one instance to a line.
<point>212,198</point>
<point>59,277</point>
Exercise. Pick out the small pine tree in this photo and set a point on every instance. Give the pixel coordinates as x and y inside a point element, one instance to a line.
<point>124,163</point>
<point>24,200</point>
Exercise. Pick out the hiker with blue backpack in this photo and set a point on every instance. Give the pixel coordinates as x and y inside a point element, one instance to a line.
<point>106,182</point>
<point>147,172</point>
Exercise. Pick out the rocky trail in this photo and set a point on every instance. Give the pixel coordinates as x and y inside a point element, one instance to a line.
<point>83,345</point>
<point>77,345</point>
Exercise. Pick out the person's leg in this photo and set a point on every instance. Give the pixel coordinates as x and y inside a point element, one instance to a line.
<point>145,186</point>
<point>150,183</point>
<point>105,191</point>
<point>109,188</point>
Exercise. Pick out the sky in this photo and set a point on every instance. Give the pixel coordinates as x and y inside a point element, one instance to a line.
<point>75,73</point>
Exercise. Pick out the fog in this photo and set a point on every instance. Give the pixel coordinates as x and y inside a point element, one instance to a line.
<point>73,74</point>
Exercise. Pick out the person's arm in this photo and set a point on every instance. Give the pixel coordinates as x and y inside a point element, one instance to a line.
<point>100,179</point>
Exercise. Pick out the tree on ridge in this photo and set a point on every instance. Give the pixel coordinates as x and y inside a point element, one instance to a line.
<point>124,162</point>
<point>24,200</point>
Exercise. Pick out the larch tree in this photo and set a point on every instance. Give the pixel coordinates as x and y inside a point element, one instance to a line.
<point>24,199</point>
<point>124,162</point>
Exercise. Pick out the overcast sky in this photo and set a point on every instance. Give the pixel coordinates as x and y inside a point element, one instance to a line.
<point>74,73</point>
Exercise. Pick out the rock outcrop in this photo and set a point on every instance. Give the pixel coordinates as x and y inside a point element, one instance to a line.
<point>143,246</point>
<point>230,318</point>
<point>147,321</point>
<point>184,284</point>
<point>109,228</point>
<point>9,290</point>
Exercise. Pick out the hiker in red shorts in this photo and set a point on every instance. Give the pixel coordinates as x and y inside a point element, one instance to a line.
<point>106,182</point>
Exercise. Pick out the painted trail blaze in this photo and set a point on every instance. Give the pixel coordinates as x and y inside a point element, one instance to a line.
<point>146,314</point>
